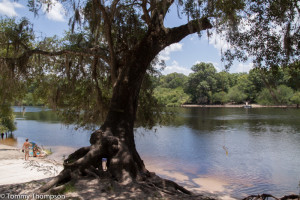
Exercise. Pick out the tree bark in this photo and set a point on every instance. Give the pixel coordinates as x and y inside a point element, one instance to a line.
<point>115,139</point>
<point>126,164</point>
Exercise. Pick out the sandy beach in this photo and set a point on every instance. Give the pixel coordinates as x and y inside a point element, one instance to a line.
<point>236,106</point>
<point>14,171</point>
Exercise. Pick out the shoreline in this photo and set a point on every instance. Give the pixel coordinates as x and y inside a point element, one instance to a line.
<point>17,173</point>
<point>237,106</point>
<point>14,169</point>
<point>24,177</point>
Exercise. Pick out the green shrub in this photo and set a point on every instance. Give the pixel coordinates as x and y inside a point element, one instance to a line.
<point>220,97</point>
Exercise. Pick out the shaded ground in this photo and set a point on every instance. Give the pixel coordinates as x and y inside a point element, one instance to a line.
<point>17,175</point>
<point>96,189</point>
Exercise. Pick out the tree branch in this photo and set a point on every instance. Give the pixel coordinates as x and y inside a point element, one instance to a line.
<point>114,6</point>
<point>107,25</point>
<point>95,74</point>
<point>84,52</point>
<point>178,33</point>
<point>146,16</point>
<point>159,12</point>
<point>164,7</point>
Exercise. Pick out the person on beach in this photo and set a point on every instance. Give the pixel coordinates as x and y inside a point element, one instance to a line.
<point>37,152</point>
<point>2,135</point>
<point>104,164</point>
<point>25,148</point>
<point>34,150</point>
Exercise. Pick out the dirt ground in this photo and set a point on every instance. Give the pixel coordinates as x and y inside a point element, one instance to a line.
<point>20,177</point>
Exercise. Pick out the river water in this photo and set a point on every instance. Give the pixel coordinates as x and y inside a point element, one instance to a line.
<point>252,151</point>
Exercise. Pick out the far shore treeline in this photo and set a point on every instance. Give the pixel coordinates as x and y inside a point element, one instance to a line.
<point>279,86</point>
<point>206,86</point>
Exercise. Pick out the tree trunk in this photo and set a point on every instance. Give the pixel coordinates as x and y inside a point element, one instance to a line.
<point>126,164</point>
<point>115,139</point>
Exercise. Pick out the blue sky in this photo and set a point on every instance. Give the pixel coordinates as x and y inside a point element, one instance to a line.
<point>179,57</point>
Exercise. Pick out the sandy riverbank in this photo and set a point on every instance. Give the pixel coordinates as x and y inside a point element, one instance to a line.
<point>15,170</point>
<point>236,106</point>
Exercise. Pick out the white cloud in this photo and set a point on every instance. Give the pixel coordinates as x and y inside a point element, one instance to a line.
<point>175,67</point>
<point>193,37</point>
<point>8,8</point>
<point>242,67</point>
<point>165,54</point>
<point>56,11</point>
<point>218,42</point>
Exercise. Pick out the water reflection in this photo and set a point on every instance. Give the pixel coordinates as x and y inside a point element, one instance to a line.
<point>8,139</point>
<point>211,119</point>
<point>36,113</point>
<point>263,147</point>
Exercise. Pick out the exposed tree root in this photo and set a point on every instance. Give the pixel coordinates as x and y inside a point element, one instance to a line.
<point>167,185</point>
<point>63,177</point>
<point>86,162</point>
<point>153,183</point>
<point>153,187</point>
<point>267,196</point>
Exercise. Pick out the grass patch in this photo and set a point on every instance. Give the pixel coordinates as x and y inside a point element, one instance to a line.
<point>69,187</point>
<point>48,151</point>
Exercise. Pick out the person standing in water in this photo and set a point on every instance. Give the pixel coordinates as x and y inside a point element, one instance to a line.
<point>25,148</point>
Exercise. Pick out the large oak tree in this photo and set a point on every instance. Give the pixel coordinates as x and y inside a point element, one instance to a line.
<point>99,68</point>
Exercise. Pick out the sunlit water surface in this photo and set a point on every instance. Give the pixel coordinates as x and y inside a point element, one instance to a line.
<point>253,150</point>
